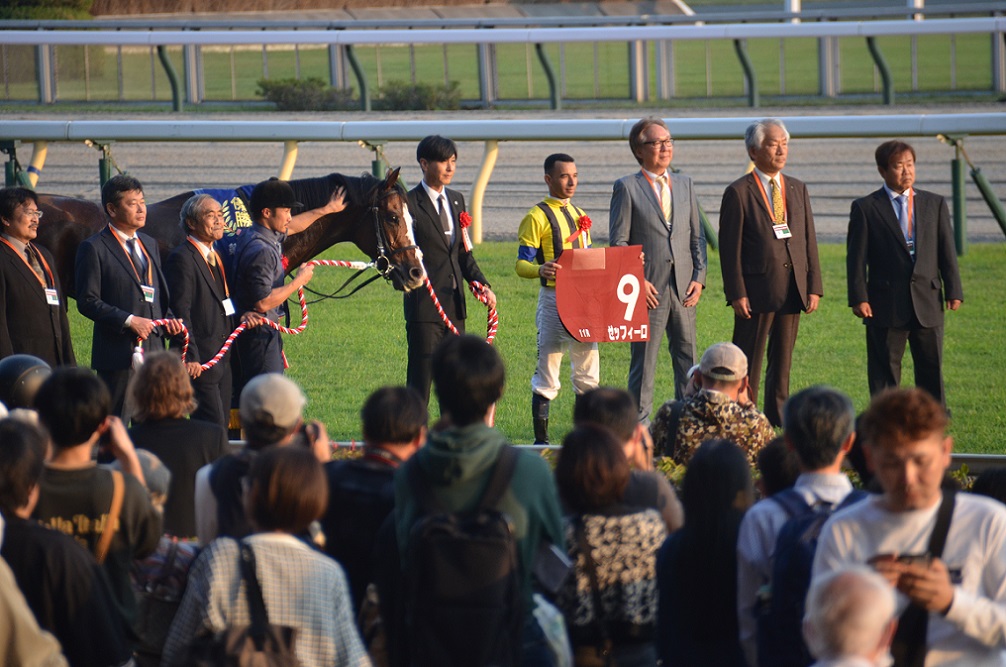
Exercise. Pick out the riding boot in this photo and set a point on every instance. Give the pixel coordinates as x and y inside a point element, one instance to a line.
<point>539,412</point>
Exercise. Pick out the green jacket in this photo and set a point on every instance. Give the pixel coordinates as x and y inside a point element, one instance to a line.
<point>458,462</point>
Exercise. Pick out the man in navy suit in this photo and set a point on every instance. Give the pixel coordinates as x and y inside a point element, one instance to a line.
<point>902,269</point>
<point>120,286</point>
<point>436,214</point>
<point>201,298</point>
<point>657,209</point>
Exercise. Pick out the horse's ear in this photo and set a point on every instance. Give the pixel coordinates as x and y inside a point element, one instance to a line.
<point>392,178</point>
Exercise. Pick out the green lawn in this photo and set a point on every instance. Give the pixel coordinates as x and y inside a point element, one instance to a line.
<point>232,74</point>
<point>354,346</point>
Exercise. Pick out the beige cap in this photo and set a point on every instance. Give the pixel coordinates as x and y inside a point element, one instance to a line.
<point>271,399</point>
<point>724,362</point>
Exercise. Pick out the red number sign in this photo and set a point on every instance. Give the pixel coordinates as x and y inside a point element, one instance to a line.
<point>600,296</point>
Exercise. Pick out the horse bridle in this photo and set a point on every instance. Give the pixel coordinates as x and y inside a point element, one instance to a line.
<point>383,262</point>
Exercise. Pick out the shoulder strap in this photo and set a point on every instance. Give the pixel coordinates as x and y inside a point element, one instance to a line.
<point>943,515</point>
<point>556,234</point>
<point>506,464</point>
<point>791,502</point>
<point>256,605</point>
<point>118,491</point>
<point>677,409</point>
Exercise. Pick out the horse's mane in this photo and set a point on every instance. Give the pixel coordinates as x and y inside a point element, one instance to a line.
<point>315,192</point>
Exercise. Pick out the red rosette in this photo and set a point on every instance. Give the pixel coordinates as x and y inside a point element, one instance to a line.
<point>286,263</point>
<point>466,220</point>
<point>583,223</point>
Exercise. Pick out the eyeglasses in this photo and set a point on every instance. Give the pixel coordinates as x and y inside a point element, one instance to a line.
<point>660,143</point>
<point>34,214</point>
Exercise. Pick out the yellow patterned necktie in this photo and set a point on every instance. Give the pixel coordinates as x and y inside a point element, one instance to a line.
<point>665,198</point>
<point>777,207</point>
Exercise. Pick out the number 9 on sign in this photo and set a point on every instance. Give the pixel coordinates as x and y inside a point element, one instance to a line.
<point>628,293</point>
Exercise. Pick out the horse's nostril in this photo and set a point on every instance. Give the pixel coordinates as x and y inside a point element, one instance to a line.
<point>416,272</point>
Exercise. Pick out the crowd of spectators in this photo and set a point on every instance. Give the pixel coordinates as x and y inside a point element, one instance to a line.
<point>603,549</point>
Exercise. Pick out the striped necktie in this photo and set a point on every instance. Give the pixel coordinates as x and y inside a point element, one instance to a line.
<point>665,198</point>
<point>778,211</point>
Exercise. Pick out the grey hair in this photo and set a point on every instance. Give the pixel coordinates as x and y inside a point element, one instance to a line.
<point>190,210</point>
<point>848,611</point>
<point>754,136</point>
<point>817,420</point>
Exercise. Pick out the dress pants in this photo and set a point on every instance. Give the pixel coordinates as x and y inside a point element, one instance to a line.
<point>423,338</point>
<point>885,347</point>
<point>776,332</point>
<point>679,322</point>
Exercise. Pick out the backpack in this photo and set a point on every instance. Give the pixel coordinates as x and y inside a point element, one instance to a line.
<point>780,618</point>
<point>258,644</point>
<point>463,585</point>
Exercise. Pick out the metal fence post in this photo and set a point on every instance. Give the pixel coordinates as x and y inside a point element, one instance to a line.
<point>487,74</point>
<point>361,78</point>
<point>958,176</point>
<point>555,97</point>
<point>665,69</point>
<point>44,73</point>
<point>638,75</point>
<point>750,78</point>
<point>885,71</point>
<point>998,62</point>
<point>825,67</point>
<point>191,67</point>
<point>336,66</point>
<point>169,69</point>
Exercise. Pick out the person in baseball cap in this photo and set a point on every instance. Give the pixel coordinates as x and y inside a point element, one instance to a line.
<point>721,408</point>
<point>272,193</point>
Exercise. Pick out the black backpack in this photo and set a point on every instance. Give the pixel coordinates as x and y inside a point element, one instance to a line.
<point>780,618</point>
<point>463,584</point>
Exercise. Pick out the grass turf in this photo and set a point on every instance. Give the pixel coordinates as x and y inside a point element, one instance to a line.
<point>353,346</point>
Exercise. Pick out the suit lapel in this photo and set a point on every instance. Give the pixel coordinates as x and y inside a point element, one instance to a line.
<point>431,214</point>
<point>116,251</point>
<point>204,270</point>
<point>455,202</point>
<point>27,275</point>
<point>890,221</point>
<point>754,191</point>
<point>648,192</point>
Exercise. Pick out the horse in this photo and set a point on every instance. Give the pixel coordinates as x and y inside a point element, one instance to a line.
<point>375,219</point>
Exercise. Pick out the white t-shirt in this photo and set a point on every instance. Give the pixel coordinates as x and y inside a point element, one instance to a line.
<point>973,633</point>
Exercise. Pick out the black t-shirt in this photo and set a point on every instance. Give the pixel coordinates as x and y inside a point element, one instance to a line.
<point>77,501</point>
<point>361,495</point>
<point>68,592</point>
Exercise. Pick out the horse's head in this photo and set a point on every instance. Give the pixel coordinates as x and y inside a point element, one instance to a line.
<point>396,254</point>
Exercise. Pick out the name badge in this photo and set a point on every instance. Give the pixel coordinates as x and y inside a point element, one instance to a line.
<point>228,306</point>
<point>148,293</point>
<point>782,231</point>
<point>911,247</point>
<point>51,296</point>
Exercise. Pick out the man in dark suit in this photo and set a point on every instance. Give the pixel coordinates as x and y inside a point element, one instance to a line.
<point>657,209</point>
<point>120,286</point>
<point>33,315</point>
<point>201,299</point>
<point>436,217</point>
<point>902,268</point>
<point>768,255</point>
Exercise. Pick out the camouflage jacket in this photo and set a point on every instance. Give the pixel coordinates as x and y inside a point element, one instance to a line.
<point>708,415</point>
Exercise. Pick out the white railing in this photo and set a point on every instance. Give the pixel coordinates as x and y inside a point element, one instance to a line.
<point>491,132</point>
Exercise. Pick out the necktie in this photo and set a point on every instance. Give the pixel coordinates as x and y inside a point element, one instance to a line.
<point>445,218</point>
<point>33,263</point>
<point>778,211</point>
<point>139,261</point>
<point>665,198</point>
<point>906,222</point>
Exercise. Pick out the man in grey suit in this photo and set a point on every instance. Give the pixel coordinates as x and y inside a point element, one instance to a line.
<point>657,209</point>
<point>902,268</point>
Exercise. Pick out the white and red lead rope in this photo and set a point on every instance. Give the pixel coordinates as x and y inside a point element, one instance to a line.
<point>477,288</point>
